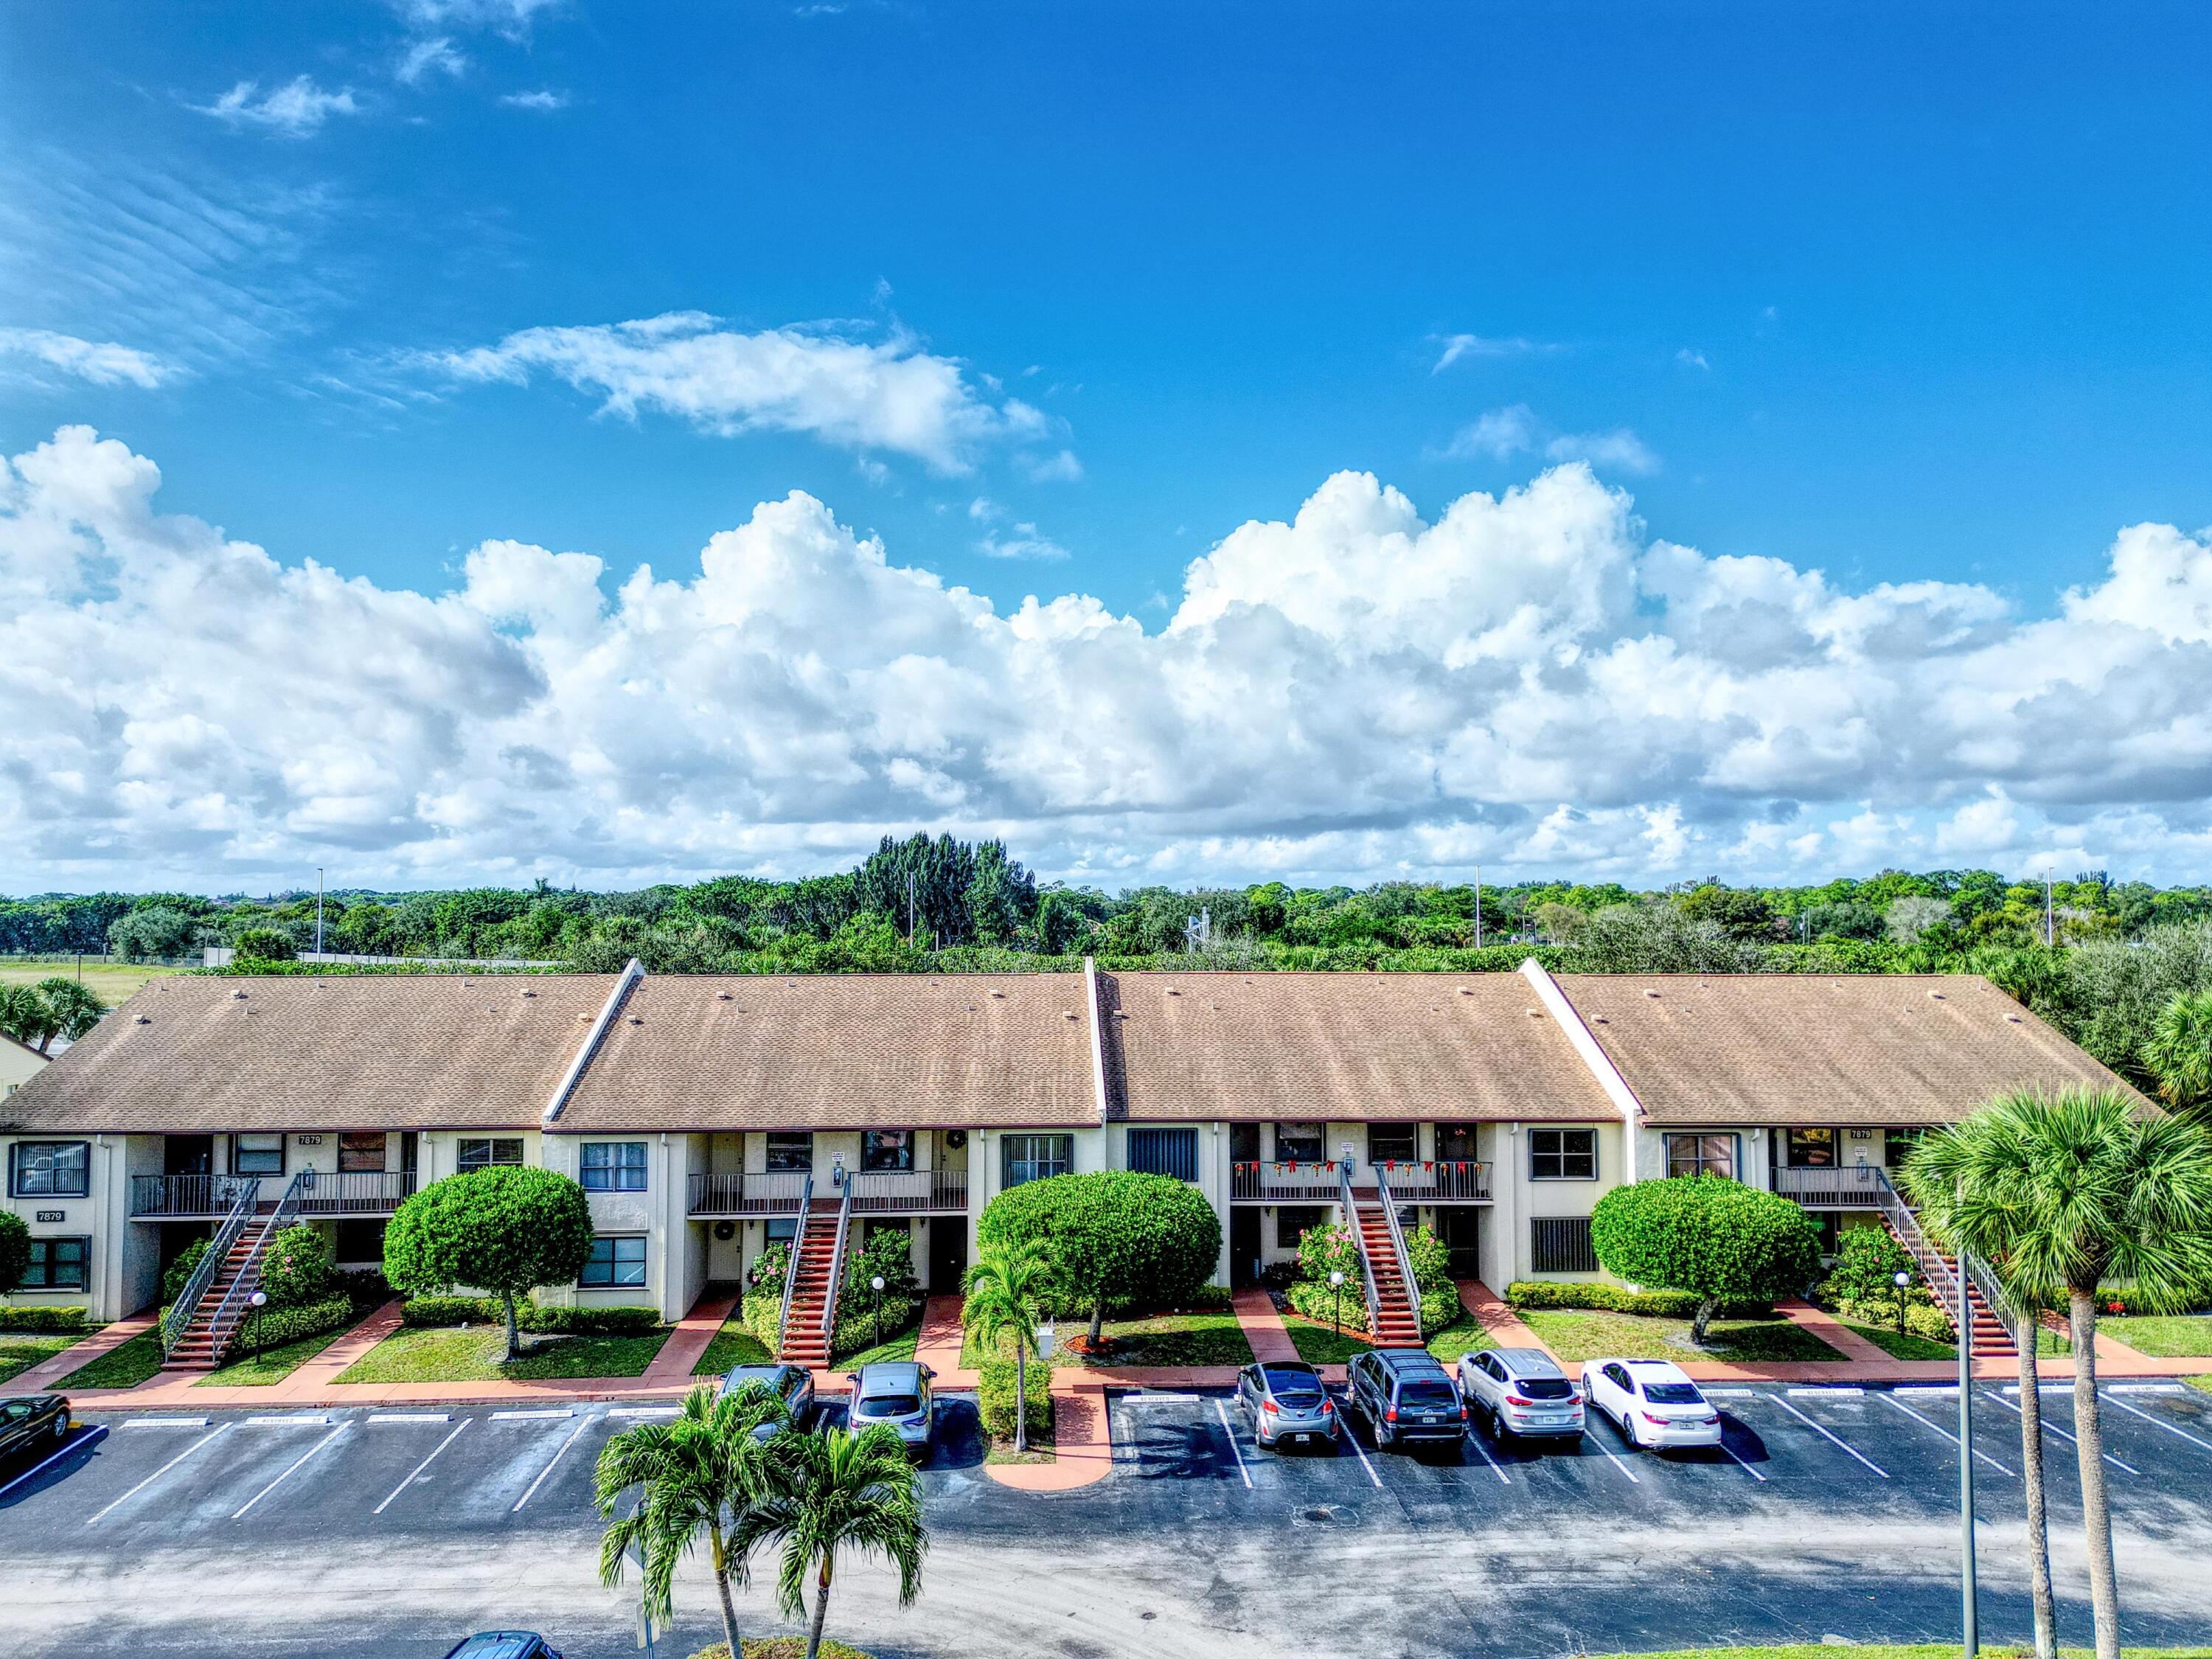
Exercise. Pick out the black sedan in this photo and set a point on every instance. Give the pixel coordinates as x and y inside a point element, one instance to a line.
<point>32,1423</point>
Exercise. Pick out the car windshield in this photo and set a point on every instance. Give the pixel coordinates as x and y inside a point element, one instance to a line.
<point>890,1405</point>
<point>765,1375</point>
<point>1423,1391</point>
<point>1673,1393</point>
<point>500,1646</point>
<point>1543,1388</point>
<point>1294,1387</point>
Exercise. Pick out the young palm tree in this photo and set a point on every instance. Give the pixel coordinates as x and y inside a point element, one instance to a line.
<point>2089,1189</point>
<point>2179,1053</point>
<point>835,1492</point>
<point>701,1475</point>
<point>1004,1290</point>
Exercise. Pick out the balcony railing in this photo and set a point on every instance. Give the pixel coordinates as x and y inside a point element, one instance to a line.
<point>1439,1181</point>
<point>1311,1181</point>
<point>875,1192</point>
<point>322,1192</point>
<point>1850,1187</point>
<point>909,1191</point>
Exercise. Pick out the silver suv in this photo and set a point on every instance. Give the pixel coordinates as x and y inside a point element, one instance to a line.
<point>894,1394</point>
<point>1520,1391</point>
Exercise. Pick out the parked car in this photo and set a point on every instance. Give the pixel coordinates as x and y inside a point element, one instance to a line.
<point>1520,1391</point>
<point>1287,1402</point>
<point>1405,1395</point>
<point>894,1394</point>
<point>1652,1402</point>
<point>504,1644</point>
<point>792,1385</point>
<point>32,1423</point>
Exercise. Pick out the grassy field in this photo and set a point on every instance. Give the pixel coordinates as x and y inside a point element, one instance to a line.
<point>470,1354</point>
<point>896,1344</point>
<point>1180,1339</point>
<point>2171,1335</point>
<point>111,981</point>
<point>125,1367</point>
<point>1576,1334</point>
<point>733,1345</point>
<point>1904,1345</point>
<point>21,1350</point>
<point>271,1365</point>
<point>1319,1343</point>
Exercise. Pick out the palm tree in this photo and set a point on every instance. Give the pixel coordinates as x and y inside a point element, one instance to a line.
<point>836,1492</point>
<point>703,1472</point>
<point>2179,1053</point>
<point>1003,1289</point>
<point>2084,1188</point>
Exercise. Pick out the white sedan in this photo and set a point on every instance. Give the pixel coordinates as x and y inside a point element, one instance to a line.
<point>1651,1402</point>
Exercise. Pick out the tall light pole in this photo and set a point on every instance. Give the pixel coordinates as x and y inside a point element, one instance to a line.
<point>319,909</point>
<point>2050,919</point>
<point>1969,1618</point>
<point>1478,907</point>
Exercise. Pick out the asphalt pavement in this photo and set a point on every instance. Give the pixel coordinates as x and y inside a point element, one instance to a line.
<point>1827,1512</point>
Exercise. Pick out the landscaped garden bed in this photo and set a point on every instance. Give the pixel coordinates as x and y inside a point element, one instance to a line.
<point>470,1353</point>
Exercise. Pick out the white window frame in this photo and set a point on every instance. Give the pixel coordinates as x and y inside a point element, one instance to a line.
<point>491,1159</point>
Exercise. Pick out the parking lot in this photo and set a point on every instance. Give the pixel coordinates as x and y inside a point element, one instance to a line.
<point>1827,1511</point>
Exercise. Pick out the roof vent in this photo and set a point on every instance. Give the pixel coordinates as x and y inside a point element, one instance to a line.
<point>721,996</point>
<point>1936,995</point>
<point>1000,995</point>
<point>1067,1013</point>
<point>1535,1014</point>
<point>637,1020</point>
<point>2010,1019</point>
<point>240,995</point>
<point>1467,990</point>
<point>143,1020</point>
<point>1654,995</point>
<point>1599,1019</point>
<point>530,994</point>
<point>1171,992</point>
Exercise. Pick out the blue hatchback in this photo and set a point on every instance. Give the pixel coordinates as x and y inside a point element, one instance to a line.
<point>504,1644</point>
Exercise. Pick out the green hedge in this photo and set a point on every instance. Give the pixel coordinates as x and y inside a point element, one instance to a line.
<point>42,1319</point>
<point>278,1326</point>
<point>174,1276</point>
<point>1715,1238</point>
<point>619,1320</point>
<point>1120,1240</point>
<point>994,1398</point>
<point>1313,1300</point>
<point>1921,1318</point>
<point>1613,1299</point>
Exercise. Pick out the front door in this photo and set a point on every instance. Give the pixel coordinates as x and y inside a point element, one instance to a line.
<point>1244,1245</point>
<point>948,1255</point>
<point>1459,1229</point>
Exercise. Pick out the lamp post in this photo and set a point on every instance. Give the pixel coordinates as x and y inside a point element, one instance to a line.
<point>259,1300</point>
<point>1336,1300</point>
<point>1901,1279</point>
<point>877,1284</point>
<point>1970,1615</point>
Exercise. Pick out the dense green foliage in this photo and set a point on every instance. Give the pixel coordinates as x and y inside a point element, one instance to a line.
<point>1004,1395</point>
<point>297,1268</point>
<point>1614,1298</point>
<point>175,1275</point>
<point>55,1007</point>
<point>622,1320</point>
<point>276,1326</point>
<point>1867,1261</point>
<point>15,1249</point>
<point>1719,1240</point>
<point>39,1318</point>
<point>1119,1240</point>
<point>506,1230</point>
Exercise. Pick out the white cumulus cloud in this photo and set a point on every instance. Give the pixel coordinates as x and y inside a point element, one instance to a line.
<point>881,394</point>
<point>1526,680</point>
<point>296,110</point>
<point>102,362</point>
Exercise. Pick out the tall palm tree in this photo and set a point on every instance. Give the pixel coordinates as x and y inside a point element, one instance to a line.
<point>2179,1053</point>
<point>2088,1187</point>
<point>835,1491</point>
<point>700,1474</point>
<point>1006,1290</point>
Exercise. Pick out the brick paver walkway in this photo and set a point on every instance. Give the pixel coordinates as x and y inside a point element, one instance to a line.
<point>1263,1326</point>
<point>1495,1315</point>
<point>47,1372</point>
<point>679,1356</point>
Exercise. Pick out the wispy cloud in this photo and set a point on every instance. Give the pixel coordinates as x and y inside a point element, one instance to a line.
<point>296,110</point>
<point>1502,434</point>
<point>436,54</point>
<point>885,394</point>
<point>1457,346</point>
<point>102,362</point>
<point>545,98</point>
<point>1062,468</point>
<point>1690,358</point>
<point>511,18</point>
<point>1016,540</point>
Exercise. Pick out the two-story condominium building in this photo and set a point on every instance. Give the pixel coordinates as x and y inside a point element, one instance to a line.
<point>706,1114</point>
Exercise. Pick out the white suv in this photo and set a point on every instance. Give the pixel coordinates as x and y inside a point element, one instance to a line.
<point>1520,1391</point>
<point>1652,1402</point>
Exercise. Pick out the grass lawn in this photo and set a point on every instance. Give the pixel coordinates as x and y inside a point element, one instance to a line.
<point>733,1345</point>
<point>470,1354</point>
<point>2202,1383</point>
<point>1904,1345</point>
<point>1576,1334</point>
<point>111,982</point>
<point>125,1367</point>
<point>1176,1338</point>
<point>1039,1451</point>
<point>271,1365</point>
<point>1322,1345</point>
<point>21,1350</point>
<point>896,1344</point>
<point>2171,1335</point>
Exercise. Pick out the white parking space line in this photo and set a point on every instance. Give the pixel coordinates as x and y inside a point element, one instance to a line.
<point>556,1463</point>
<point>1825,1391</point>
<point>2131,1387</point>
<point>1591,1436</point>
<point>2050,1427</point>
<point>1740,1464</point>
<point>531,1416</point>
<point>423,1465</point>
<point>2159,1423</point>
<point>1824,1432</point>
<point>1357,1450</point>
<point>1475,1435</point>
<point>216,1434</point>
<point>402,1418</point>
<point>1222,1412</point>
<point>1946,1433</point>
<point>163,1423</point>
<point>287,1473</point>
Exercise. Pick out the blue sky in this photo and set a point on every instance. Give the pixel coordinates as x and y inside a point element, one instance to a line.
<point>1897,296</point>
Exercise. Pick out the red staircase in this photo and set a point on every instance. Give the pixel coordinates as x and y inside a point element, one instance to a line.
<point>805,1340</point>
<point>1986,1335</point>
<point>1393,1320</point>
<point>201,1347</point>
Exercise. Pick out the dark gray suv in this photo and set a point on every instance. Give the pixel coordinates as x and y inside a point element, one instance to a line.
<point>1405,1395</point>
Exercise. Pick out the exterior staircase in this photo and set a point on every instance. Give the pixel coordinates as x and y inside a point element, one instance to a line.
<point>215,1321</point>
<point>1393,1319</point>
<point>813,1288</point>
<point>1987,1337</point>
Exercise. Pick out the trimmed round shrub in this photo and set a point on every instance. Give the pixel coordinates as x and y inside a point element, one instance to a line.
<point>297,1268</point>
<point>506,1230</point>
<point>1717,1239</point>
<point>1119,1240</point>
<point>14,1250</point>
<point>174,1276</point>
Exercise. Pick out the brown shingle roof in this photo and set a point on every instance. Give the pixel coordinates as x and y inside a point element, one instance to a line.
<point>1783,1049</point>
<point>840,1051</point>
<point>1342,1046</point>
<point>420,1052</point>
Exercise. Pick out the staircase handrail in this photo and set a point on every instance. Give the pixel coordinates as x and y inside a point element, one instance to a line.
<point>280,1217</point>
<point>179,1315</point>
<point>1358,1240</point>
<point>790,1268</point>
<point>836,1266</point>
<point>1398,1241</point>
<point>1984,1279</point>
<point>1938,1272</point>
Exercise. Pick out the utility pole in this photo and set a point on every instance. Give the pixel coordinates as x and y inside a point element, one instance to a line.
<point>319,909</point>
<point>2049,928</point>
<point>1478,907</point>
<point>909,909</point>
